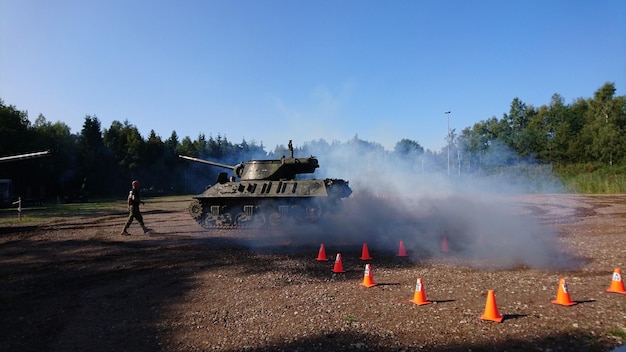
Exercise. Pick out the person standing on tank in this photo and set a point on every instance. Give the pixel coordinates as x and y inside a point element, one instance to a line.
<point>134,200</point>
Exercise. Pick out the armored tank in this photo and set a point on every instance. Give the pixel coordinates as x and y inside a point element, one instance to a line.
<point>267,193</point>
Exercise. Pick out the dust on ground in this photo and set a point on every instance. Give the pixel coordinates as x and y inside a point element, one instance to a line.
<point>75,284</point>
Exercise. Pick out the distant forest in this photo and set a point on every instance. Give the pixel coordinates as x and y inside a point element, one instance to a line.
<point>101,162</point>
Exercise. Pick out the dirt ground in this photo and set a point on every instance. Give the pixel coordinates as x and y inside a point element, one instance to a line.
<point>76,285</point>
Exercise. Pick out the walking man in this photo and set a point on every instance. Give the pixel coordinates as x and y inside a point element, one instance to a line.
<point>134,200</point>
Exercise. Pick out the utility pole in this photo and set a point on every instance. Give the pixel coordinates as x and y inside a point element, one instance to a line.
<point>448,138</point>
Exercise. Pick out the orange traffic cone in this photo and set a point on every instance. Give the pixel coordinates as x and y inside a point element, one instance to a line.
<point>491,309</point>
<point>368,278</point>
<point>444,245</point>
<point>338,268</point>
<point>419,297</point>
<point>617,285</point>
<point>321,255</point>
<point>365,253</point>
<point>562,296</point>
<point>402,250</point>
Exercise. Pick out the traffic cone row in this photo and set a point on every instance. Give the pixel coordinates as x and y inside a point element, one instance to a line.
<point>365,254</point>
<point>491,308</point>
<point>321,254</point>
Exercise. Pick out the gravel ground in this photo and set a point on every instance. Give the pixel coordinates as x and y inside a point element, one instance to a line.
<point>76,285</point>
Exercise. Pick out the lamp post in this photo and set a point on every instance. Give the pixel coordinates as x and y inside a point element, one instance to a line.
<point>448,138</point>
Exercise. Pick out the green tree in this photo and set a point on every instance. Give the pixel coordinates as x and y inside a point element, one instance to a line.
<point>172,143</point>
<point>472,145</point>
<point>154,149</point>
<point>517,135</point>
<point>155,164</point>
<point>14,134</point>
<point>557,131</point>
<point>57,138</point>
<point>408,147</point>
<point>480,141</point>
<point>94,160</point>
<point>604,131</point>
<point>188,147</point>
<point>410,153</point>
<point>575,123</point>
<point>127,147</point>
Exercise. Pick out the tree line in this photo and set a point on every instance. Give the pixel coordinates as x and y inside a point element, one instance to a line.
<point>589,130</point>
<point>101,162</point>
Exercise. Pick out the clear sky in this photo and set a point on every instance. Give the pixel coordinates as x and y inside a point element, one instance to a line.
<point>273,70</point>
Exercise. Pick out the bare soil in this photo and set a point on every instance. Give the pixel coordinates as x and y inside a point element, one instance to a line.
<point>76,285</point>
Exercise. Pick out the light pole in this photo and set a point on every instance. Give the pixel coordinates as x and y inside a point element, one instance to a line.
<point>448,138</point>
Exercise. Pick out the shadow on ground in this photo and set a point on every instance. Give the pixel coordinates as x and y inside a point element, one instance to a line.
<point>113,296</point>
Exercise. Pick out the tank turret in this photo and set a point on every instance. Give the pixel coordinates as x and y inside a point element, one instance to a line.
<point>266,170</point>
<point>267,194</point>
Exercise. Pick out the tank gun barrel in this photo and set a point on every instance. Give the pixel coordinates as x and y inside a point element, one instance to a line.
<point>6,159</point>
<point>224,166</point>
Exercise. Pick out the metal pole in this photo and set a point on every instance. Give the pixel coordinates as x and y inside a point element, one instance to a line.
<point>448,137</point>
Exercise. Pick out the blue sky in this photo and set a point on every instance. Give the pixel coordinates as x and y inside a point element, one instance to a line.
<point>270,71</point>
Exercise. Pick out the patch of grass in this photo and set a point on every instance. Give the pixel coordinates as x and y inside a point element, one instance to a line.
<point>53,211</point>
<point>350,319</point>
<point>593,178</point>
<point>617,332</point>
<point>59,211</point>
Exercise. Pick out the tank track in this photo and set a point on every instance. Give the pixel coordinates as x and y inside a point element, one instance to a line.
<point>218,220</point>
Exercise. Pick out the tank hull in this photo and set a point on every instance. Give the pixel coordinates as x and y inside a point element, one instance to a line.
<point>262,203</point>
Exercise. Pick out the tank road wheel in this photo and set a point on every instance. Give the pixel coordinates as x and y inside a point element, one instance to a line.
<point>258,219</point>
<point>276,219</point>
<point>200,220</point>
<point>313,212</point>
<point>226,220</point>
<point>195,209</point>
<point>298,213</point>
<point>241,219</point>
<point>208,222</point>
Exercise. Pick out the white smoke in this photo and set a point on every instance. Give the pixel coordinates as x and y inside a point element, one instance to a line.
<point>477,217</point>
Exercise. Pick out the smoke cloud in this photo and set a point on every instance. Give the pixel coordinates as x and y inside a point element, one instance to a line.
<point>477,218</point>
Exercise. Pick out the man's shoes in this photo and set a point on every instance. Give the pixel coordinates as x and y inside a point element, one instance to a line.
<point>125,233</point>
<point>147,230</point>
